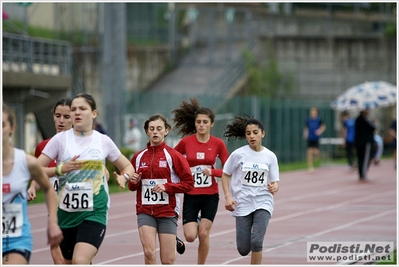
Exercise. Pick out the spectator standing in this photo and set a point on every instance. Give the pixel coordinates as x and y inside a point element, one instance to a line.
<point>99,127</point>
<point>348,133</point>
<point>392,133</point>
<point>364,140</point>
<point>314,127</point>
<point>250,179</point>
<point>132,137</point>
<point>378,149</point>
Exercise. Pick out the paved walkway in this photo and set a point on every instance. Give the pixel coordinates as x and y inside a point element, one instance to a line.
<point>328,205</point>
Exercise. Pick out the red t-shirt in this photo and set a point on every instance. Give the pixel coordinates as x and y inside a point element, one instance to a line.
<point>199,154</point>
<point>39,149</point>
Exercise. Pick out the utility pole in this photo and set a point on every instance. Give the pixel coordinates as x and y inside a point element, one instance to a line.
<point>114,77</point>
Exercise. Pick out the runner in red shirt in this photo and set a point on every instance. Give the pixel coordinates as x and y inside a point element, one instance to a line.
<point>162,173</point>
<point>62,121</point>
<point>201,150</point>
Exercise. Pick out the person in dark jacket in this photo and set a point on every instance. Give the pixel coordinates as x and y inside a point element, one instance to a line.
<point>364,140</point>
<point>164,173</point>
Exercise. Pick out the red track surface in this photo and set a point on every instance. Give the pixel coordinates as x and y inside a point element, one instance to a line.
<point>328,205</point>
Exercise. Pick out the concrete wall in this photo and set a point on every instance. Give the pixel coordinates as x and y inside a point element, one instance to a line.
<point>144,66</point>
<point>324,67</point>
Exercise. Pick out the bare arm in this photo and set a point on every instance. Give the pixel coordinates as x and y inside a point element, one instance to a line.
<point>305,133</point>
<point>321,129</point>
<point>229,201</point>
<point>50,172</point>
<point>54,233</point>
<point>273,187</point>
<point>124,166</point>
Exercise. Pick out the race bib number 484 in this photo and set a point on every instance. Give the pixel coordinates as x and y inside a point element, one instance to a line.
<point>149,197</point>
<point>254,174</point>
<point>77,197</point>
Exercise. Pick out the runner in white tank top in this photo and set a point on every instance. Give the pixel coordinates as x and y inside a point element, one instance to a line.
<point>18,168</point>
<point>83,189</point>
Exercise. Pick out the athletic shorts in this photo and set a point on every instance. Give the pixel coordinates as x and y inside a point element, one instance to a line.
<point>25,253</point>
<point>164,225</point>
<point>192,204</point>
<point>87,232</point>
<point>313,143</point>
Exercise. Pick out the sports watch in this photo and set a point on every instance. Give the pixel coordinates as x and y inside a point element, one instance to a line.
<point>127,176</point>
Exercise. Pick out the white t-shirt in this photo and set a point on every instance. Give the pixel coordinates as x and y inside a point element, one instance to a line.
<point>133,135</point>
<point>251,171</point>
<point>55,148</point>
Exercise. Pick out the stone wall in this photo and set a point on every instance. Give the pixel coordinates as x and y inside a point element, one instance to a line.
<point>324,67</point>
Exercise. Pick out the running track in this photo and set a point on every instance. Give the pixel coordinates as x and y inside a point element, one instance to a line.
<point>328,205</point>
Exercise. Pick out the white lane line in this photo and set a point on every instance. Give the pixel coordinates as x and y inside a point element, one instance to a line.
<point>297,215</point>
<point>376,216</point>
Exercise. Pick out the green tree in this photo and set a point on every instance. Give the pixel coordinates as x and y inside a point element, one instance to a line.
<point>266,79</point>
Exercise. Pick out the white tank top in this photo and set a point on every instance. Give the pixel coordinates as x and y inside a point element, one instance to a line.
<point>16,182</point>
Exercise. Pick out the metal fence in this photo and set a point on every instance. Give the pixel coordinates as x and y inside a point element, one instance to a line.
<point>283,119</point>
<point>22,53</point>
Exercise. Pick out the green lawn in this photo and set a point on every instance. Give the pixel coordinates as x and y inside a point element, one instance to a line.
<point>387,262</point>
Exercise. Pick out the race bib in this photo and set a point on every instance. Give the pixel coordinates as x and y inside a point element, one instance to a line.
<point>55,183</point>
<point>254,174</point>
<point>148,197</point>
<point>201,179</point>
<point>77,197</point>
<point>12,220</point>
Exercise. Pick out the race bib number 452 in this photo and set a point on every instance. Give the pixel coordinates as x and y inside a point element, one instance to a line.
<point>149,197</point>
<point>201,179</point>
<point>77,197</point>
<point>254,174</point>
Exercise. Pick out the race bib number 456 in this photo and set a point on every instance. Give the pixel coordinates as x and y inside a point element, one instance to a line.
<point>148,197</point>
<point>254,174</point>
<point>77,197</point>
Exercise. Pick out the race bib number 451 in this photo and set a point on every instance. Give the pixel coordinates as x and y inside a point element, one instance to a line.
<point>254,174</point>
<point>148,197</point>
<point>77,197</point>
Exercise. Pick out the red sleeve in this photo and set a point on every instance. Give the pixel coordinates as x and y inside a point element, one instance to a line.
<point>39,149</point>
<point>181,147</point>
<point>182,170</point>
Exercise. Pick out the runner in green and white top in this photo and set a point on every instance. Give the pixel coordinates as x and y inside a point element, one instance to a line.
<point>252,171</point>
<point>83,198</point>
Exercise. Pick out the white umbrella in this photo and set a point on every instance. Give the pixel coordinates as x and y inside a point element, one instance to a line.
<point>366,95</point>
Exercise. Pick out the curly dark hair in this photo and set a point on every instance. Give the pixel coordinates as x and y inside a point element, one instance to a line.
<point>185,115</point>
<point>236,129</point>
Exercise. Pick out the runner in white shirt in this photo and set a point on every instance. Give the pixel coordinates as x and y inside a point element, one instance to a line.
<point>83,197</point>
<point>254,173</point>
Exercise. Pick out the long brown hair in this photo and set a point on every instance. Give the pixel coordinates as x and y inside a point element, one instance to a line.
<point>185,115</point>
